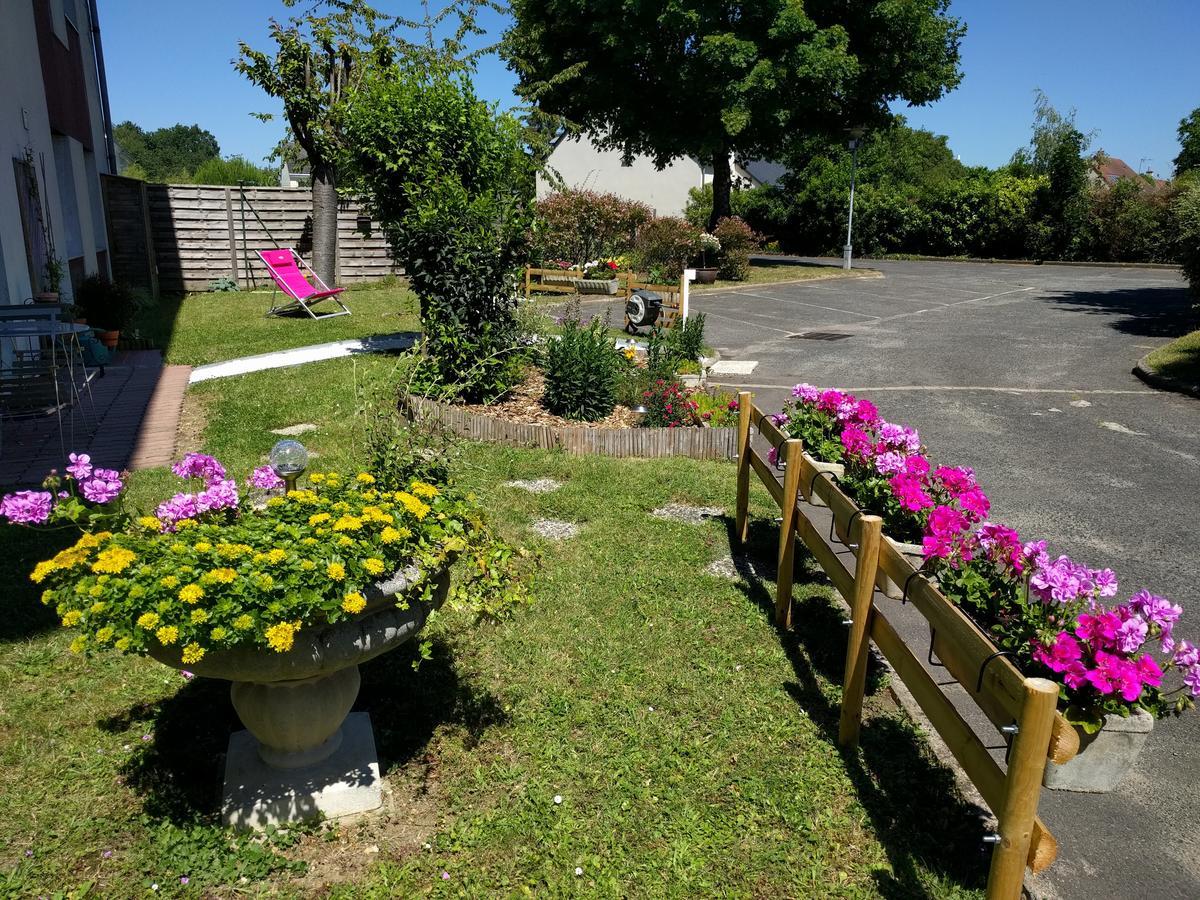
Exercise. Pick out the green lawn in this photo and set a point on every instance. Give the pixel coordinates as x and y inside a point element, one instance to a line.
<point>205,328</point>
<point>1178,359</point>
<point>693,746</point>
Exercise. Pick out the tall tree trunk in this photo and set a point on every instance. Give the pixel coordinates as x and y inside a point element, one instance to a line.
<point>722,186</point>
<point>325,210</point>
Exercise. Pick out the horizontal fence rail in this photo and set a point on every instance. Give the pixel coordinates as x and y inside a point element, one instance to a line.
<point>1023,709</point>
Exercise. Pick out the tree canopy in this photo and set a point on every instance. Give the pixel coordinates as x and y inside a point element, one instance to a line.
<point>1189,143</point>
<point>718,79</point>
<point>165,154</point>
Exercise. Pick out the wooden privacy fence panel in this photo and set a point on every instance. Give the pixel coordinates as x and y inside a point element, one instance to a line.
<point>1023,709</point>
<point>180,237</point>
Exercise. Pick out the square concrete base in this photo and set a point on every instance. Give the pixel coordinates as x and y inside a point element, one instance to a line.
<point>257,795</point>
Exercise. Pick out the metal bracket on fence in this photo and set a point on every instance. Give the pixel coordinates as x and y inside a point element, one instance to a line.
<point>929,656</point>
<point>1009,732</point>
<point>780,462</point>
<point>849,525</point>
<point>983,667</point>
<point>992,839</point>
<point>907,582</point>
<point>812,482</point>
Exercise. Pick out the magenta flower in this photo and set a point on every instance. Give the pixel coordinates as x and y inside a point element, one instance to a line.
<point>199,465</point>
<point>220,494</point>
<point>828,401</point>
<point>909,493</point>
<point>102,487</point>
<point>1148,670</point>
<point>181,506</point>
<point>1157,610</point>
<point>916,465</point>
<point>1061,655</point>
<point>1100,629</point>
<point>889,463</point>
<point>1106,582</point>
<point>27,507</point>
<point>1131,634</point>
<point>80,467</point>
<point>772,456</point>
<point>856,441</point>
<point>806,393</point>
<point>866,413</point>
<point>1186,655</point>
<point>1192,679</point>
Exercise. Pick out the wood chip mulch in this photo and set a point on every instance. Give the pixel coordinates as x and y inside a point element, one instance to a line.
<point>524,404</point>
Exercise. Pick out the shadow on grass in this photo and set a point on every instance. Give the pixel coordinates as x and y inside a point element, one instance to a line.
<point>1144,312</point>
<point>22,614</point>
<point>180,770</point>
<point>913,801</point>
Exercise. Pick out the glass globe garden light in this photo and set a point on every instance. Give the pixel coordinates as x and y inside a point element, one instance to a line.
<point>288,460</point>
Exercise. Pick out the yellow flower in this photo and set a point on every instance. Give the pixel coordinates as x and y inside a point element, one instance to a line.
<point>354,603</point>
<point>423,489</point>
<point>96,590</point>
<point>333,479</point>
<point>167,635</point>
<point>191,593</point>
<point>104,635</point>
<point>364,478</point>
<point>389,535</point>
<point>219,633</point>
<point>150,522</point>
<point>169,581</point>
<point>242,622</point>
<point>40,571</point>
<point>317,518</point>
<point>199,616</point>
<point>413,505</point>
<point>316,477</point>
<point>113,560</point>
<point>222,575</point>
<point>374,566</point>
<point>336,571</point>
<point>72,618</point>
<point>276,502</point>
<point>47,596</point>
<point>147,620</point>
<point>276,556</point>
<point>192,653</point>
<point>203,546</point>
<point>309,541</point>
<point>122,644</point>
<point>265,582</point>
<point>307,565</point>
<point>98,607</point>
<point>78,644</point>
<point>185,523</point>
<point>281,635</point>
<point>348,523</point>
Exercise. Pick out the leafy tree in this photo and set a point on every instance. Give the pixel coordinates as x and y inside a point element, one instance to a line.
<point>234,170</point>
<point>1189,143</point>
<point>165,154</point>
<point>313,68</point>
<point>452,185</point>
<point>716,80</point>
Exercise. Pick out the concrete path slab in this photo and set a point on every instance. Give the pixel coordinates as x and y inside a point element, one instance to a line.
<point>298,356</point>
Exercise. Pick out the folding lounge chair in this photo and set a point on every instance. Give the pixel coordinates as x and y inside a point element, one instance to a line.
<point>287,270</point>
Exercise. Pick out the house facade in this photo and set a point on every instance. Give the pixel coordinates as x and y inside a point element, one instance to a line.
<point>580,163</point>
<point>55,142</point>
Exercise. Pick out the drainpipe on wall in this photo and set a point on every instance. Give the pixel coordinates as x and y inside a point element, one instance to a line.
<point>98,52</point>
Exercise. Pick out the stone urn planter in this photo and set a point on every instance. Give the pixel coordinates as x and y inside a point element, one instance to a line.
<point>597,285</point>
<point>707,275</point>
<point>302,754</point>
<point>1104,757</point>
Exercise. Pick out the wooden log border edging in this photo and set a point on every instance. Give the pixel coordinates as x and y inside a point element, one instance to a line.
<point>1022,709</point>
<point>645,443</point>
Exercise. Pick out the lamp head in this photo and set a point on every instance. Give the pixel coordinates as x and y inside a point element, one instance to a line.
<point>289,459</point>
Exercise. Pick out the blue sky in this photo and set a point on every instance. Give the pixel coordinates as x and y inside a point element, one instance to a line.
<point>1131,71</point>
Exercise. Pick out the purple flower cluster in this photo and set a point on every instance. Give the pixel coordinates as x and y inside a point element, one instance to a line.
<point>265,479</point>
<point>96,486</point>
<point>199,465</point>
<point>27,507</point>
<point>220,493</point>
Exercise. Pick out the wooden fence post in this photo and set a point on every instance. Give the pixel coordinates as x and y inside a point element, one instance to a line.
<point>528,282</point>
<point>792,451</point>
<point>745,407</point>
<point>855,682</point>
<point>1022,788</point>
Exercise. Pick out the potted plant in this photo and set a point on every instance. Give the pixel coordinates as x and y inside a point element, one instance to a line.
<point>108,307</point>
<point>281,592</point>
<point>708,243</point>
<point>53,272</point>
<point>599,277</point>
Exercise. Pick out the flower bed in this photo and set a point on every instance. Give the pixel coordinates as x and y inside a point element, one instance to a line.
<point>1054,616</point>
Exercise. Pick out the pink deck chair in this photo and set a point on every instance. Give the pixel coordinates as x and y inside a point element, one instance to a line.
<point>287,269</point>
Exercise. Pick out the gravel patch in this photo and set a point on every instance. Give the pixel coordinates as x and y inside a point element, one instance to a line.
<point>536,486</point>
<point>740,568</point>
<point>295,430</point>
<point>554,530</point>
<point>692,515</point>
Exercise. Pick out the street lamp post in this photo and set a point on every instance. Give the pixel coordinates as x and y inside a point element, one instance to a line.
<point>848,251</point>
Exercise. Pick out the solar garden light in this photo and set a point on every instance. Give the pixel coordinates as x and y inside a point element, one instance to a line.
<point>855,139</point>
<point>288,460</point>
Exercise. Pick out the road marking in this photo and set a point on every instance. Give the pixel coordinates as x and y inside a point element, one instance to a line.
<point>1081,404</point>
<point>734,367</point>
<point>713,315</point>
<point>1121,429</point>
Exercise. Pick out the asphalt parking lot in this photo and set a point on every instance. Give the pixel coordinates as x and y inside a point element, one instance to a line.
<point>1023,373</point>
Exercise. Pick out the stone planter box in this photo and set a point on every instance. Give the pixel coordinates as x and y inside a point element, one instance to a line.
<point>597,285</point>
<point>1104,757</point>
<point>300,756</point>
<point>916,556</point>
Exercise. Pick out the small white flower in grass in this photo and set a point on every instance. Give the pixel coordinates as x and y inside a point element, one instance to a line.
<point>737,668</point>
<point>578,870</point>
<point>651,708</point>
<point>154,887</point>
<point>558,799</point>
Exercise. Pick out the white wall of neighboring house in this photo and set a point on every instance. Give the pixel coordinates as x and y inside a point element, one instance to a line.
<point>66,170</point>
<point>581,164</point>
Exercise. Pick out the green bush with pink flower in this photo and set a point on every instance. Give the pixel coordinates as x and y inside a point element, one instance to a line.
<point>1054,616</point>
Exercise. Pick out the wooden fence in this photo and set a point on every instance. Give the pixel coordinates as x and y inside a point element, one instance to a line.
<point>562,281</point>
<point>180,237</point>
<point>1024,710</point>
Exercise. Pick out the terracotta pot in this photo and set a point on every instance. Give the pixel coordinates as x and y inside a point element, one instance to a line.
<point>110,338</point>
<point>706,275</point>
<point>1104,758</point>
<point>47,297</point>
<point>294,703</point>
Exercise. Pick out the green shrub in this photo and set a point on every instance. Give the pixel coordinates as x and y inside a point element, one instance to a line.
<point>667,244</point>
<point>686,339</point>
<point>582,368</point>
<point>717,408</point>
<point>107,305</point>
<point>579,226</point>
<point>234,170</point>
<point>1187,223</point>
<point>738,241</point>
<point>662,357</point>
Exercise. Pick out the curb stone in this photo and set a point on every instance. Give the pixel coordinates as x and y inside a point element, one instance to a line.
<point>1164,382</point>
